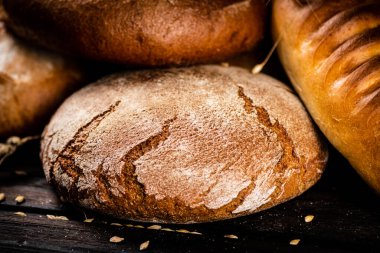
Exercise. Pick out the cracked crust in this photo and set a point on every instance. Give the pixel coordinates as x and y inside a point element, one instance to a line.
<point>143,32</point>
<point>182,145</point>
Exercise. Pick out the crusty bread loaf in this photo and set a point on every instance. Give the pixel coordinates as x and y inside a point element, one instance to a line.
<point>331,52</point>
<point>3,15</point>
<point>182,145</point>
<point>143,32</point>
<point>33,83</point>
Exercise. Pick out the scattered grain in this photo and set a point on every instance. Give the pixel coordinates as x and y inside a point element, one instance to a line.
<point>89,220</point>
<point>116,224</point>
<point>195,233</point>
<point>309,218</point>
<point>231,236</point>
<point>19,199</point>
<point>183,231</point>
<point>138,226</point>
<point>21,214</point>
<point>2,197</point>
<point>167,229</point>
<point>21,173</point>
<point>116,239</point>
<point>155,227</point>
<point>54,217</point>
<point>144,245</point>
<point>294,242</point>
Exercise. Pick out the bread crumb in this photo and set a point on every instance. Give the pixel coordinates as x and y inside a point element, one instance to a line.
<point>21,214</point>
<point>295,242</point>
<point>88,220</point>
<point>144,245</point>
<point>309,218</point>
<point>195,233</point>
<point>116,224</point>
<point>21,173</point>
<point>155,227</point>
<point>19,199</point>
<point>231,236</point>
<point>2,197</point>
<point>257,68</point>
<point>54,217</point>
<point>116,239</point>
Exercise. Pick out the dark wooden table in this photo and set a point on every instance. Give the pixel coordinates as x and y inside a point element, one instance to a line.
<point>347,219</point>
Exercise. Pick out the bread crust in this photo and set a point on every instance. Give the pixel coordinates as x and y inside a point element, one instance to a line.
<point>182,145</point>
<point>3,15</point>
<point>33,82</point>
<point>143,32</point>
<point>331,52</point>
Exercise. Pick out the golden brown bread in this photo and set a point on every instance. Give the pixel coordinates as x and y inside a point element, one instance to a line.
<point>331,52</point>
<point>33,83</point>
<point>182,145</point>
<point>143,32</point>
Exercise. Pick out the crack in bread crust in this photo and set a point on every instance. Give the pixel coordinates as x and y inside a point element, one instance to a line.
<point>289,159</point>
<point>135,192</point>
<point>137,204</point>
<point>65,161</point>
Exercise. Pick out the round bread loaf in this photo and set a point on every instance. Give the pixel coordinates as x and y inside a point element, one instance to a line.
<point>144,32</point>
<point>182,145</point>
<point>33,83</point>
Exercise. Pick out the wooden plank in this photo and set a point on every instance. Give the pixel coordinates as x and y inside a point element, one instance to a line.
<point>38,194</point>
<point>36,233</point>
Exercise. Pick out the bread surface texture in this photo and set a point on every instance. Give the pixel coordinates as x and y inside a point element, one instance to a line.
<point>182,145</point>
<point>33,82</point>
<point>331,52</point>
<point>143,32</point>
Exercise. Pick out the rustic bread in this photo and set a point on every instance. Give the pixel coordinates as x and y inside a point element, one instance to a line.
<point>331,52</point>
<point>33,83</point>
<point>3,15</point>
<point>144,32</point>
<point>182,145</point>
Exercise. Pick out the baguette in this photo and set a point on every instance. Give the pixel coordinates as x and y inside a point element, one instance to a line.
<point>331,52</point>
